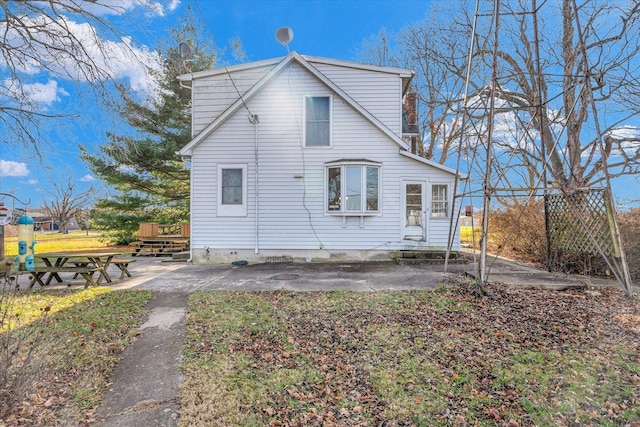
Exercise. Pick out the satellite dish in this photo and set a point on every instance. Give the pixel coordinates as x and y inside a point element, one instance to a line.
<point>284,36</point>
<point>185,52</point>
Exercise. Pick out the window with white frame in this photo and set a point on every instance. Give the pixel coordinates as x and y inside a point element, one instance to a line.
<point>439,201</point>
<point>352,188</point>
<point>232,190</point>
<point>317,121</point>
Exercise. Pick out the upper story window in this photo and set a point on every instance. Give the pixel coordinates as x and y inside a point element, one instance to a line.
<point>317,121</point>
<point>353,188</point>
<point>232,190</point>
<point>439,201</point>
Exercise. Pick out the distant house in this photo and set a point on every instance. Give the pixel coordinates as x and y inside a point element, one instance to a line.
<point>43,221</point>
<point>310,158</point>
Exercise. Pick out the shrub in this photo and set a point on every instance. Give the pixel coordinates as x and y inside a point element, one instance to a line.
<point>22,345</point>
<point>518,232</point>
<point>630,230</point>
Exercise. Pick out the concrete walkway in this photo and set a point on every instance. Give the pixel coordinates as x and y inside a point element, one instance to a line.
<point>145,385</point>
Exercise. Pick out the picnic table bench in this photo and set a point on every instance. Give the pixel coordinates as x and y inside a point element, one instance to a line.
<point>122,264</point>
<point>87,272</point>
<point>56,262</point>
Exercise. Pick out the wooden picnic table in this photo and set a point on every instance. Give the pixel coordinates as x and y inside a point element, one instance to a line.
<point>38,273</point>
<point>55,261</point>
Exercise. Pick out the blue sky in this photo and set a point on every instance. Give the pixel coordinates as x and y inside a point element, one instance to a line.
<point>329,28</point>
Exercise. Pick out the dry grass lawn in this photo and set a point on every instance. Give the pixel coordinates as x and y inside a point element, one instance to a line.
<point>447,357</point>
<point>62,346</point>
<point>54,242</point>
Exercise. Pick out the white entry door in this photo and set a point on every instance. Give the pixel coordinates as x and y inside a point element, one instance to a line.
<point>414,209</point>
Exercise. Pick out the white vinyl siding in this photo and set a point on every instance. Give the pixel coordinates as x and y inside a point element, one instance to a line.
<point>384,102</point>
<point>293,212</point>
<point>214,94</point>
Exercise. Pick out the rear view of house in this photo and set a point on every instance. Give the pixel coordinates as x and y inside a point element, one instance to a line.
<point>309,158</point>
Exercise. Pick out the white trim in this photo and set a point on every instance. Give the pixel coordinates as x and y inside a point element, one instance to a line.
<point>407,229</point>
<point>231,210</point>
<point>343,184</point>
<point>447,200</point>
<point>230,69</point>
<point>402,72</point>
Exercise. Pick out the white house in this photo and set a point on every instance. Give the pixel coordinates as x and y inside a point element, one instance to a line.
<point>305,157</point>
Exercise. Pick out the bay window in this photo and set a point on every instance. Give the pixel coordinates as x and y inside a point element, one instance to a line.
<point>352,188</point>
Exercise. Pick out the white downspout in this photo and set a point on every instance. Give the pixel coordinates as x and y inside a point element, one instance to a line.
<point>254,120</point>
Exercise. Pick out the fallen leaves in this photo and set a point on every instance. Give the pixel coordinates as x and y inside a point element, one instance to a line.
<point>514,358</point>
<point>77,353</point>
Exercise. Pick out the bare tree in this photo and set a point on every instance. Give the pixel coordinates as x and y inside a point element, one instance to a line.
<point>587,85</point>
<point>589,56</point>
<point>437,88</point>
<point>66,202</point>
<point>57,40</point>
<point>378,50</point>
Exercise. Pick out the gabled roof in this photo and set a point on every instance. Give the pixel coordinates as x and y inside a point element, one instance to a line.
<point>279,65</point>
<point>405,74</point>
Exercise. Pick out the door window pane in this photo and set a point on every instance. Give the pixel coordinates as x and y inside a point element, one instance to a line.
<point>414,205</point>
<point>414,189</point>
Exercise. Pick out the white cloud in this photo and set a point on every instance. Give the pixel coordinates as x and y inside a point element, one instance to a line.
<point>88,178</point>
<point>174,5</point>
<point>11,168</point>
<point>129,62</point>
<point>625,132</point>
<point>97,58</point>
<point>41,94</point>
<point>629,140</point>
<point>120,7</point>
<point>46,93</point>
<point>33,182</point>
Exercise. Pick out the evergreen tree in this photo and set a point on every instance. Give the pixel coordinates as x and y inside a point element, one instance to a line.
<point>150,182</point>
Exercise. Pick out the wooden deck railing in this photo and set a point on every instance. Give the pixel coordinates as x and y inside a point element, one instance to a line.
<point>153,229</point>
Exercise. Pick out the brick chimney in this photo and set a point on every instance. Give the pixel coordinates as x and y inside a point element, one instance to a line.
<point>411,109</point>
<point>410,120</point>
